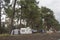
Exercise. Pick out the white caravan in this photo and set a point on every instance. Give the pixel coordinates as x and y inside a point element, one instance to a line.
<point>27,30</point>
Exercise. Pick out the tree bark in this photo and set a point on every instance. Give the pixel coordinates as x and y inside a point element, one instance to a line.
<point>0,16</point>
<point>12,18</point>
<point>21,17</point>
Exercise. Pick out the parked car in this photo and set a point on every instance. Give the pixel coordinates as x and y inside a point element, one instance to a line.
<point>34,31</point>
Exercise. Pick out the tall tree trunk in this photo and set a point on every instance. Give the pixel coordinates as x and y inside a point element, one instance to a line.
<point>20,18</point>
<point>12,19</point>
<point>27,23</point>
<point>20,21</point>
<point>0,16</point>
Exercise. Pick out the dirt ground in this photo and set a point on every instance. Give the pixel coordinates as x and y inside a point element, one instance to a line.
<point>36,36</point>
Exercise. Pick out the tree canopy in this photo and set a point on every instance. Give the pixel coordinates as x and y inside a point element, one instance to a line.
<point>26,13</point>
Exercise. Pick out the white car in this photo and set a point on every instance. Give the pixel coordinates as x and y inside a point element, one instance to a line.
<point>34,31</point>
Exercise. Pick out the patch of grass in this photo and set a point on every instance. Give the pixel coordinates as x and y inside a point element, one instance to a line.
<point>4,34</point>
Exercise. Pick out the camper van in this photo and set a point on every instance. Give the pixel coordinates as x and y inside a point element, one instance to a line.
<point>27,30</point>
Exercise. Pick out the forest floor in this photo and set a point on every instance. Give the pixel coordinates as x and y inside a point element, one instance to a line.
<point>36,36</point>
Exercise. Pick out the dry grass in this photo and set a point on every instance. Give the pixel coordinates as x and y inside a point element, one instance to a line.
<point>37,36</point>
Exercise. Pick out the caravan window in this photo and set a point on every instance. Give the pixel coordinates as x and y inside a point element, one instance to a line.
<point>23,30</point>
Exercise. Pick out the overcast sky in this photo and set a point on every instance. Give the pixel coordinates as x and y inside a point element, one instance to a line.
<point>53,5</point>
